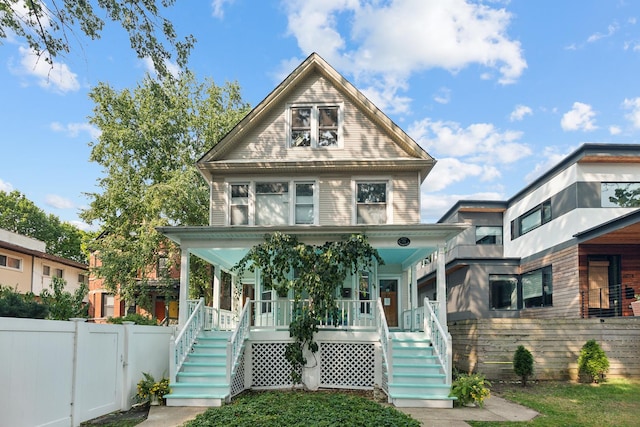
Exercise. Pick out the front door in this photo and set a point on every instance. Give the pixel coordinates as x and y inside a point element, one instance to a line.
<point>389,296</point>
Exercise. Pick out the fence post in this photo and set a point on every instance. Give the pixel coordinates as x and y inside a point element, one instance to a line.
<point>80,329</point>
<point>125,404</point>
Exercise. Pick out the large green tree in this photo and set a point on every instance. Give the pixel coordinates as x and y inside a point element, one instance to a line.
<point>20,215</point>
<point>50,26</point>
<point>150,139</point>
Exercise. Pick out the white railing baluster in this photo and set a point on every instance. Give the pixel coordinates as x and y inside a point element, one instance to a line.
<point>441,339</point>
<point>180,347</point>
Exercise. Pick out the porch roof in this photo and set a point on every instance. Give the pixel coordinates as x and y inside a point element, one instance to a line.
<point>624,230</point>
<point>404,244</point>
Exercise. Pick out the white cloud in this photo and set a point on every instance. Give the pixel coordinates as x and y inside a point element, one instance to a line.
<point>520,112</point>
<point>611,30</point>
<point>58,202</point>
<point>74,129</point>
<point>172,67</point>
<point>615,130</point>
<point>449,171</point>
<point>217,7</point>
<point>581,117</point>
<point>383,43</point>
<point>83,226</point>
<point>57,77</point>
<point>479,142</point>
<point>6,186</point>
<point>551,158</point>
<point>633,116</point>
<point>443,96</point>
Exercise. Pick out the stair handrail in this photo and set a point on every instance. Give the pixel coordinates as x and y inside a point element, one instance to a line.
<point>440,338</point>
<point>385,338</point>
<point>180,347</point>
<point>236,341</point>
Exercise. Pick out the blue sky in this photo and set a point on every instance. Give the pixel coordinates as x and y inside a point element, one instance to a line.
<point>497,91</point>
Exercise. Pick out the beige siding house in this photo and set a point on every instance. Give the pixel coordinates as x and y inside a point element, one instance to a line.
<point>316,159</point>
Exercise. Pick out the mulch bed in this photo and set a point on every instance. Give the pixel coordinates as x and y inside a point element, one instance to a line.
<point>137,413</point>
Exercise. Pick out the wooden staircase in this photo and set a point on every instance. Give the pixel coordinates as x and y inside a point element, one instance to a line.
<point>417,378</point>
<point>202,380</point>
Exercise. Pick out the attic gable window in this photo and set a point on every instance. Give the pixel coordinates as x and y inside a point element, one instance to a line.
<point>314,126</point>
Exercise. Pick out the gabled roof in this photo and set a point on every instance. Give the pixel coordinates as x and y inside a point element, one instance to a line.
<point>315,64</point>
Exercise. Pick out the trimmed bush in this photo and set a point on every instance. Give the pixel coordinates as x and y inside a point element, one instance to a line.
<point>523,364</point>
<point>592,362</point>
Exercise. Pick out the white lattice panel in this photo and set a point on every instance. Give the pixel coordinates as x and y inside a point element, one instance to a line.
<point>270,368</point>
<point>237,382</point>
<point>347,365</point>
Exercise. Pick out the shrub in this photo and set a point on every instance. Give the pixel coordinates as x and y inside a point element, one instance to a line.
<point>13,304</point>
<point>523,364</point>
<point>470,389</point>
<point>138,319</point>
<point>592,362</point>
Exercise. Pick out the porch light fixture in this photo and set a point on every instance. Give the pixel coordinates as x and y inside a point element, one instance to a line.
<point>404,241</point>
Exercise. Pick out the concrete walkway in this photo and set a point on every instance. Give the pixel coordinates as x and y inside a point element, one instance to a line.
<point>495,409</point>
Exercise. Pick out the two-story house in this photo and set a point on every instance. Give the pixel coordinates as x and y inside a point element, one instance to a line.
<point>26,266</point>
<point>565,247</point>
<point>315,159</point>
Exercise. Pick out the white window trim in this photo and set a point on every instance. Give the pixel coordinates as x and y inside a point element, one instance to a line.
<point>14,257</point>
<point>292,199</point>
<point>354,195</point>
<point>314,124</point>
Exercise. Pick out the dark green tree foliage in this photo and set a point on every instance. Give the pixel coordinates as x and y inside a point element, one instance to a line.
<point>13,304</point>
<point>20,215</point>
<point>523,364</point>
<point>628,197</point>
<point>592,362</point>
<point>64,305</point>
<point>312,272</point>
<point>49,27</point>
<point>151,138</point>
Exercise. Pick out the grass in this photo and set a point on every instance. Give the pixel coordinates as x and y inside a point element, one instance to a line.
<point>615,403</point>
<point>299,408</point>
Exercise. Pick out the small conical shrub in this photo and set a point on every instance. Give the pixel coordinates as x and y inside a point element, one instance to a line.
<point>592,362</point>
<point>523,364</point>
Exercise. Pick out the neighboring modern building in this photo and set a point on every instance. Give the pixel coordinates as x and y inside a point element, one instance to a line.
<point>317,160</point>
<point>26,267</point>
<point>566,246</point>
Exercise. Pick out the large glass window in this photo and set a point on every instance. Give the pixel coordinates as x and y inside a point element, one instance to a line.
<point>531,220</point>
<point>371,202</point>
<point>620,194</point>
<point>503,291</point>
<point>272,203</point>
<point>314,126</point>
<point>537,288</point>
<point>488,235</point>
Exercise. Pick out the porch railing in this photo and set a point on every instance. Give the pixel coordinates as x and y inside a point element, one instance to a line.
<point>180,347</point>
<point>219,319</point>
<point>610,301</point>
<point>418,316</point>
<point>349,314</point>
<point>385,340</point>
<point>440,338</point>
<point>235,343</point>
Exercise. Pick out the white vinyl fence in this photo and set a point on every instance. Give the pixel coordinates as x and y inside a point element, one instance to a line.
<point>56,373</point>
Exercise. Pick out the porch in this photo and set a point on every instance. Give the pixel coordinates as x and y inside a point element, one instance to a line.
<point>219,353</point>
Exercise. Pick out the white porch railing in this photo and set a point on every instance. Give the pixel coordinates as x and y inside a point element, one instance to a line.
<point>350,314</point>
<point>440,339</point>
<point>219,319</point>
<point>418,316</point>
<point>180,347</point>
<point>235,343</point>
<point>385,340</point>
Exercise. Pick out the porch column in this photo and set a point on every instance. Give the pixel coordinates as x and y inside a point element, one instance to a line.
<point>441,283</point>
<point>184,288</point>
<point>217,280</point>
<point>414,296</point>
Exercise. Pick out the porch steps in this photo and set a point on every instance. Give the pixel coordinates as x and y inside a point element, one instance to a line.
<point>202,380</point>
<point>417,377</point>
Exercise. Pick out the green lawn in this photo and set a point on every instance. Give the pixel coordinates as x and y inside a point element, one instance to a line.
<point>299,408</point>
<point>615,403</point>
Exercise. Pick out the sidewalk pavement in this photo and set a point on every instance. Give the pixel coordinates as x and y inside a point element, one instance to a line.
<point>495,409</point>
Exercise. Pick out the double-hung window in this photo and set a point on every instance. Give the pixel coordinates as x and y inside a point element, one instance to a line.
<point>314,126</point>
<point>272,203</point>
<point>371,202</point>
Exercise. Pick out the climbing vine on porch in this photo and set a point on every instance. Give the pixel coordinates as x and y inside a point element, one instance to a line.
<point>313,273</point>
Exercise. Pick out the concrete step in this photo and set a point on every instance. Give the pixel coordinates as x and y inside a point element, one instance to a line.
<point>202,377</point>
<point>204,367</point>
<point>198,388</point>
<point>413,378</point>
